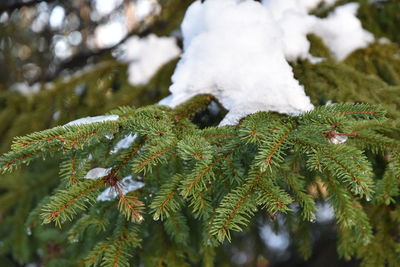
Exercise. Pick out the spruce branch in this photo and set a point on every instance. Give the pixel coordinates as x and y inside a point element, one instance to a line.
<point>201,204</point>
<point>388,188</point>
<point>238,206</point>
<point>219,175</point>
<point>271,150</point>
<point>190,107</point>
<point>177,228</point>
<point>165,202</point>
<point>73,169</point>
<point>257,127</point>
<point>65,204</point>
<point>272,198</point>
<point>348,211</point>
<point>115,250</point>
<point>306,202</point>
<point>130,206</point>
<point>153,155</point>
<point>343,162</point>
<point>86,222</point>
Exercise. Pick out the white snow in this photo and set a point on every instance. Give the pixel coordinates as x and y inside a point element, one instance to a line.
<point>338,139</point>
<point>147,55</point>
<point>88,120</point>
<point>239,257</point>
<point>384,40</point>
<point>239,51</point>
<point>25,89</point>
<point>125,142</point>
<point>143,8</point>
<point>325,212</point>
<point>79,89</point>
<point>109,136</point>
<point>97,173</point>
<point>56,115</point>
<point>62,48</point>
<point>274,241</point>
<point>235,52</point>
<point>123,17</point>
<point>342,31</point>
<point>109,34</point>
<point>127,185</point>
<point>4,17</point>
<point>106,7</point>
<point>57,17</point>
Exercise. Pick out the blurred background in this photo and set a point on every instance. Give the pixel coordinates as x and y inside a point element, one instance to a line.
<point>62,60</point>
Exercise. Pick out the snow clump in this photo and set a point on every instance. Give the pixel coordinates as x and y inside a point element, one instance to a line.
<point>342,32</point>
<point>238,51</point>
<point>147,55</point>
<point>127,185</point>
<point>97,173</point>
<point>88,120</point>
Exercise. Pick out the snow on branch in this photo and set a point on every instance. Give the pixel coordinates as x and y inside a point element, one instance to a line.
<point>88,120</point>
<point>238,51</point>
<point>146,55</point>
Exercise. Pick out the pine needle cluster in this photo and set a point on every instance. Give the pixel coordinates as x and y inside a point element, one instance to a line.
<point>218,178</point>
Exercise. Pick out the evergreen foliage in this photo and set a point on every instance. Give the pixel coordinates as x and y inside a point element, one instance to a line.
<point>217,176</point>
<point>203,184</point>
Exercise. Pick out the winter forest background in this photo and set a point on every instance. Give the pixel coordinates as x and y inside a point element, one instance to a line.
<point>61,61</point>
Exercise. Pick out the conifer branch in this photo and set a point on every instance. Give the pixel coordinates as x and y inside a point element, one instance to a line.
<point>190,107</point>
<point>165,201</point>
<point>73,169</point>
<point>115,250</point>
<point>305,200</point>
<point>177,228</point>
<point>238,206</point>
<point>388,188</point>
<point>155,156</point>
<point>201,204</point>
<point>190,185</point>
<point>349,213</point>
<point>130,206</point>
<point>65,203</point>
<point>266,161</point>
<point>85,222</point>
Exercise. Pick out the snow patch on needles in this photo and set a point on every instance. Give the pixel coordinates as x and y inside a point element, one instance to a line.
<point>125,142</point>
<point>95,119</point>
<point>147,55</point>
<point>97,173</point>
<point>338,139</point>
<point>239,51</point>
<point>127,185</point>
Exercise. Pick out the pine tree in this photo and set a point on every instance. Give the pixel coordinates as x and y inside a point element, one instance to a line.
<point>205,186</point>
